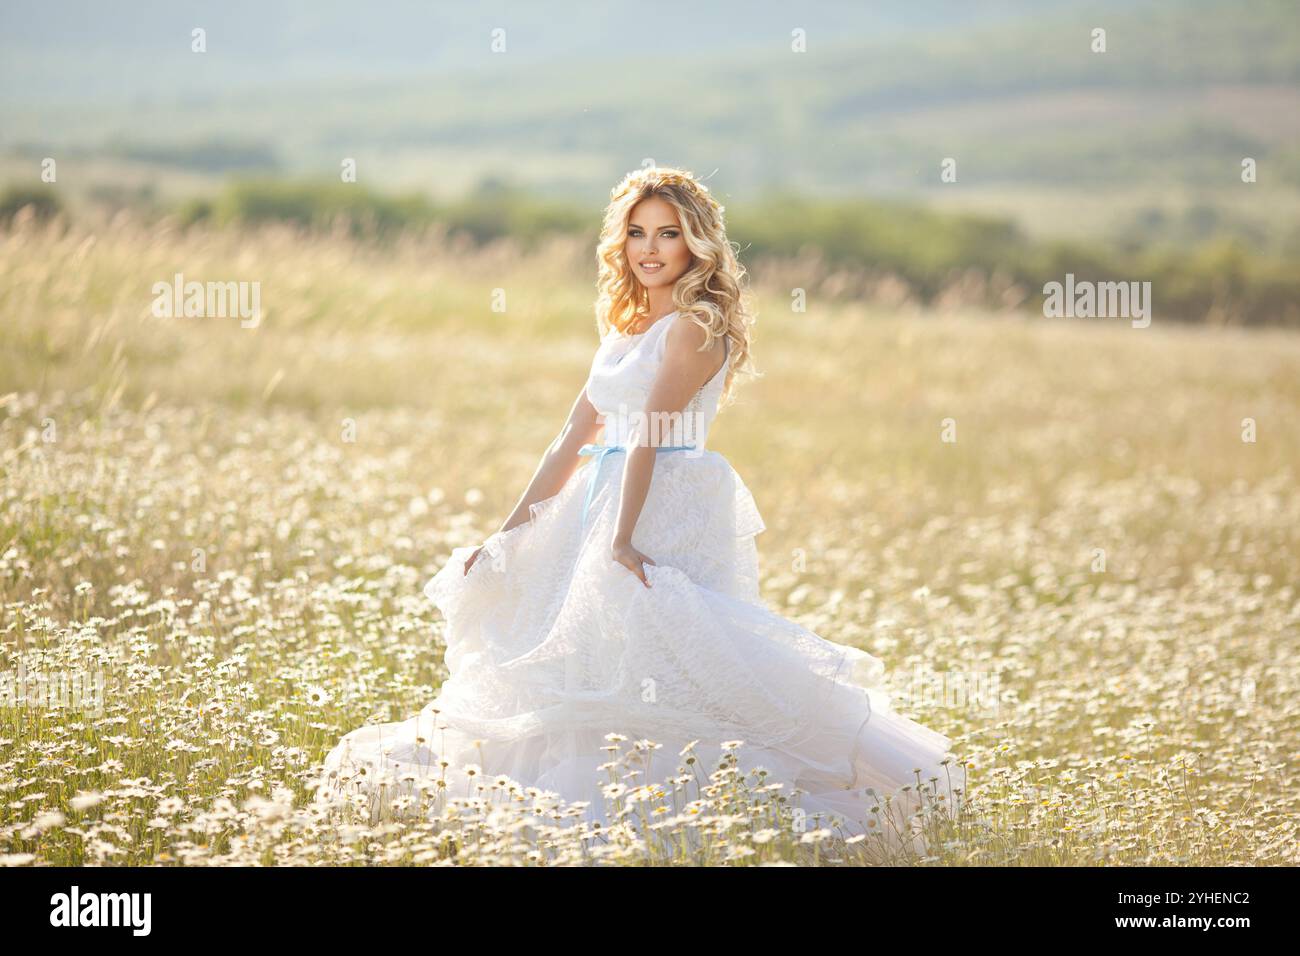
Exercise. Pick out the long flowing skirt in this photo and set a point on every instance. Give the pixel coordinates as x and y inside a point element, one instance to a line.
<point>551,646</point>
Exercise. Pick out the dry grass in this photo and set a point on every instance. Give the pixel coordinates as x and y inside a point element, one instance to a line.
<point>182,515</point>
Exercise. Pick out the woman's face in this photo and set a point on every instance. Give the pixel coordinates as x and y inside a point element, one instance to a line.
<point>656,248</point>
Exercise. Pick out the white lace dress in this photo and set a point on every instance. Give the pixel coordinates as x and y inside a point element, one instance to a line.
<point>551,645</point>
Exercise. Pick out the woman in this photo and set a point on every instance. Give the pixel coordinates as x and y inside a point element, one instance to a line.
<point>624,597</point>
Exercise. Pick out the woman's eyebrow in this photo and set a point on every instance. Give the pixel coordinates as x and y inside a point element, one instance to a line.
<point>634,225</point>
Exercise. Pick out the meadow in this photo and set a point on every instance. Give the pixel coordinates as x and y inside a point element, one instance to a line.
<point>228,529</point>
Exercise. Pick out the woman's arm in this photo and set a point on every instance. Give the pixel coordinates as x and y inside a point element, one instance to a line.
<point>558,464</point>
<point>684,371</point>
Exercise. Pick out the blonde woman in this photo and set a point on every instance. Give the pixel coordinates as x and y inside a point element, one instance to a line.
<point>621,593</point>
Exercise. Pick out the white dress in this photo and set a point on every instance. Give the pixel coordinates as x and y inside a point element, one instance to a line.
<point>551,645</point>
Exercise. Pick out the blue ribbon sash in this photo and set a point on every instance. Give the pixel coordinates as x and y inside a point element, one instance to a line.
<point>601,452</point>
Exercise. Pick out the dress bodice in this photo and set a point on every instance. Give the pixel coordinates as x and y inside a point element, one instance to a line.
<point>622,374</point>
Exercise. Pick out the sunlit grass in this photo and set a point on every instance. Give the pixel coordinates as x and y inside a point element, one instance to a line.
<point>183,514</point>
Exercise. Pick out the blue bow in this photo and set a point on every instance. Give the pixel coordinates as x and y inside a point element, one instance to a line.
<point>600,451</point>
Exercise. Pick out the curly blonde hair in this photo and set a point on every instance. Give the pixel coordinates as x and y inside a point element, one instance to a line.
<point>710,292</point>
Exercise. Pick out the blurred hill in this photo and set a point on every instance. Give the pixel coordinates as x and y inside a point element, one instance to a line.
<point>1067,160</point>
<point>884,93</point>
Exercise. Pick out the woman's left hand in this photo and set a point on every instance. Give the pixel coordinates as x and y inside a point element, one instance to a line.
<point>632,559</point>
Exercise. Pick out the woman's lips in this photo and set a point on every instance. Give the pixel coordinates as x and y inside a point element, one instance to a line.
<point>651,266</point>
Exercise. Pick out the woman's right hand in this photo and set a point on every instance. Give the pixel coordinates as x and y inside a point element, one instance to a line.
<point>469,562</point>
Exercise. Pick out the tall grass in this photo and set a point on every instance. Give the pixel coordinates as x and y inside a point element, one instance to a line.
<point>183,515</point>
